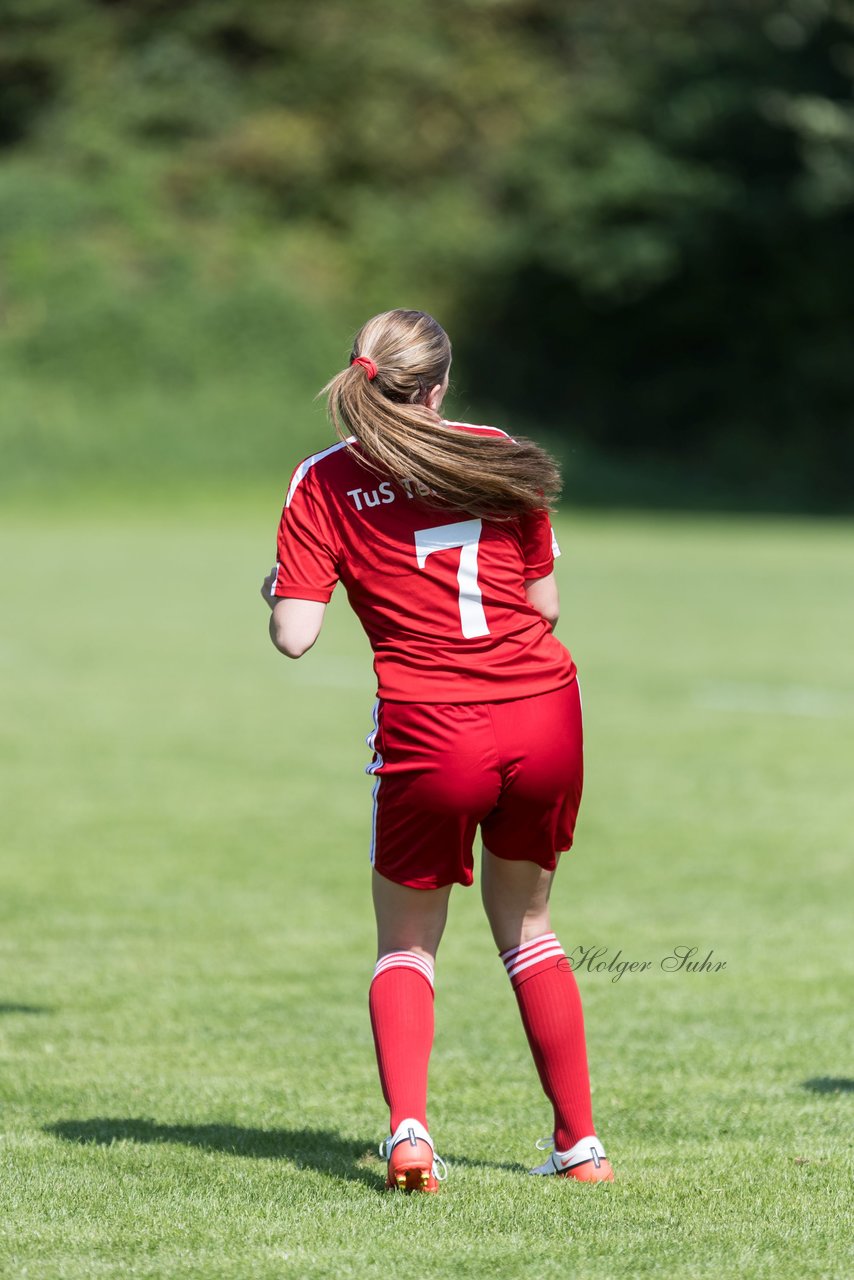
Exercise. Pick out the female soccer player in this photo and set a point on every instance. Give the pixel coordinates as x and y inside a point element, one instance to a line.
<point>440,533</point>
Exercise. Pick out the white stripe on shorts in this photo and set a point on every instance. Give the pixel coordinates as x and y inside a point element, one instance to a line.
<point>374,768</point>
<point>374,798</point>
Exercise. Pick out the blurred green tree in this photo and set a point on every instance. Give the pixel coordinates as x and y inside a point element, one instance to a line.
<point>636,221</point>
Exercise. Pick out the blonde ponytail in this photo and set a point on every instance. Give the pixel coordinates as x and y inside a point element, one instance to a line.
<point>408,353</point>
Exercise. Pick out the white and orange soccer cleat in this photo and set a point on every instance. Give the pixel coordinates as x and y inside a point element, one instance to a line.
<point>586,1161</point>
<point>412,1161</point>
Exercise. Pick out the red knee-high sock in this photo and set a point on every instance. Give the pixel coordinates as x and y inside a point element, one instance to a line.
<point>401,1002</point>
<point>550,1005</point>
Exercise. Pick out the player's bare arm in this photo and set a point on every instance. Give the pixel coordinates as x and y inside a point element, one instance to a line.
<point>542,593</point>
<point>294,624</point>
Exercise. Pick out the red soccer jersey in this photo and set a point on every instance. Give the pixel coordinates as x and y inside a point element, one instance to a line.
<point>440,595</point>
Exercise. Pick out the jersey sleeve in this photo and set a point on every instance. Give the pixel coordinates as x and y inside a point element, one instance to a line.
<point>306,556</point>
<point>539,544</point>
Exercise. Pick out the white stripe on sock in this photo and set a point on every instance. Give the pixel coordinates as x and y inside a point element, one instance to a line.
<point>555,952</point>
<point>411,968</point>
<point>405,960</point>
<point>518,959</point>
<point>509,955</point>
<point>530,952</point>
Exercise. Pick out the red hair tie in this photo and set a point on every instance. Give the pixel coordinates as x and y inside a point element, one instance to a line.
<point>368,365</point>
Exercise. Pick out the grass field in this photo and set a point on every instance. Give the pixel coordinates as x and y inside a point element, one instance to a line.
<point>187,1076</point>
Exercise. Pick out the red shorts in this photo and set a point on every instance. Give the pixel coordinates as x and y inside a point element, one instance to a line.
<point>442,769</point>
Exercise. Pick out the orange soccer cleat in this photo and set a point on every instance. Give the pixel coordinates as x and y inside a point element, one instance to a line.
<point>412,1161</point>
<point>585,1162</point>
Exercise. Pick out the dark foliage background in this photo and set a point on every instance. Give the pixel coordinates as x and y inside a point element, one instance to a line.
<point>635,220</point>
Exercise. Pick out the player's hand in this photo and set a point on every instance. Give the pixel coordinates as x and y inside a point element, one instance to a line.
<point>267,588</point>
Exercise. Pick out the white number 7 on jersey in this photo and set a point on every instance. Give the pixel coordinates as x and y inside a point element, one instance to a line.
<point>465,534</point>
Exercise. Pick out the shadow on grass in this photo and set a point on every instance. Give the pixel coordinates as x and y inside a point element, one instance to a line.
<point>319,1149</point>
<point>25,1008</point>
<point>829,1084</point>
